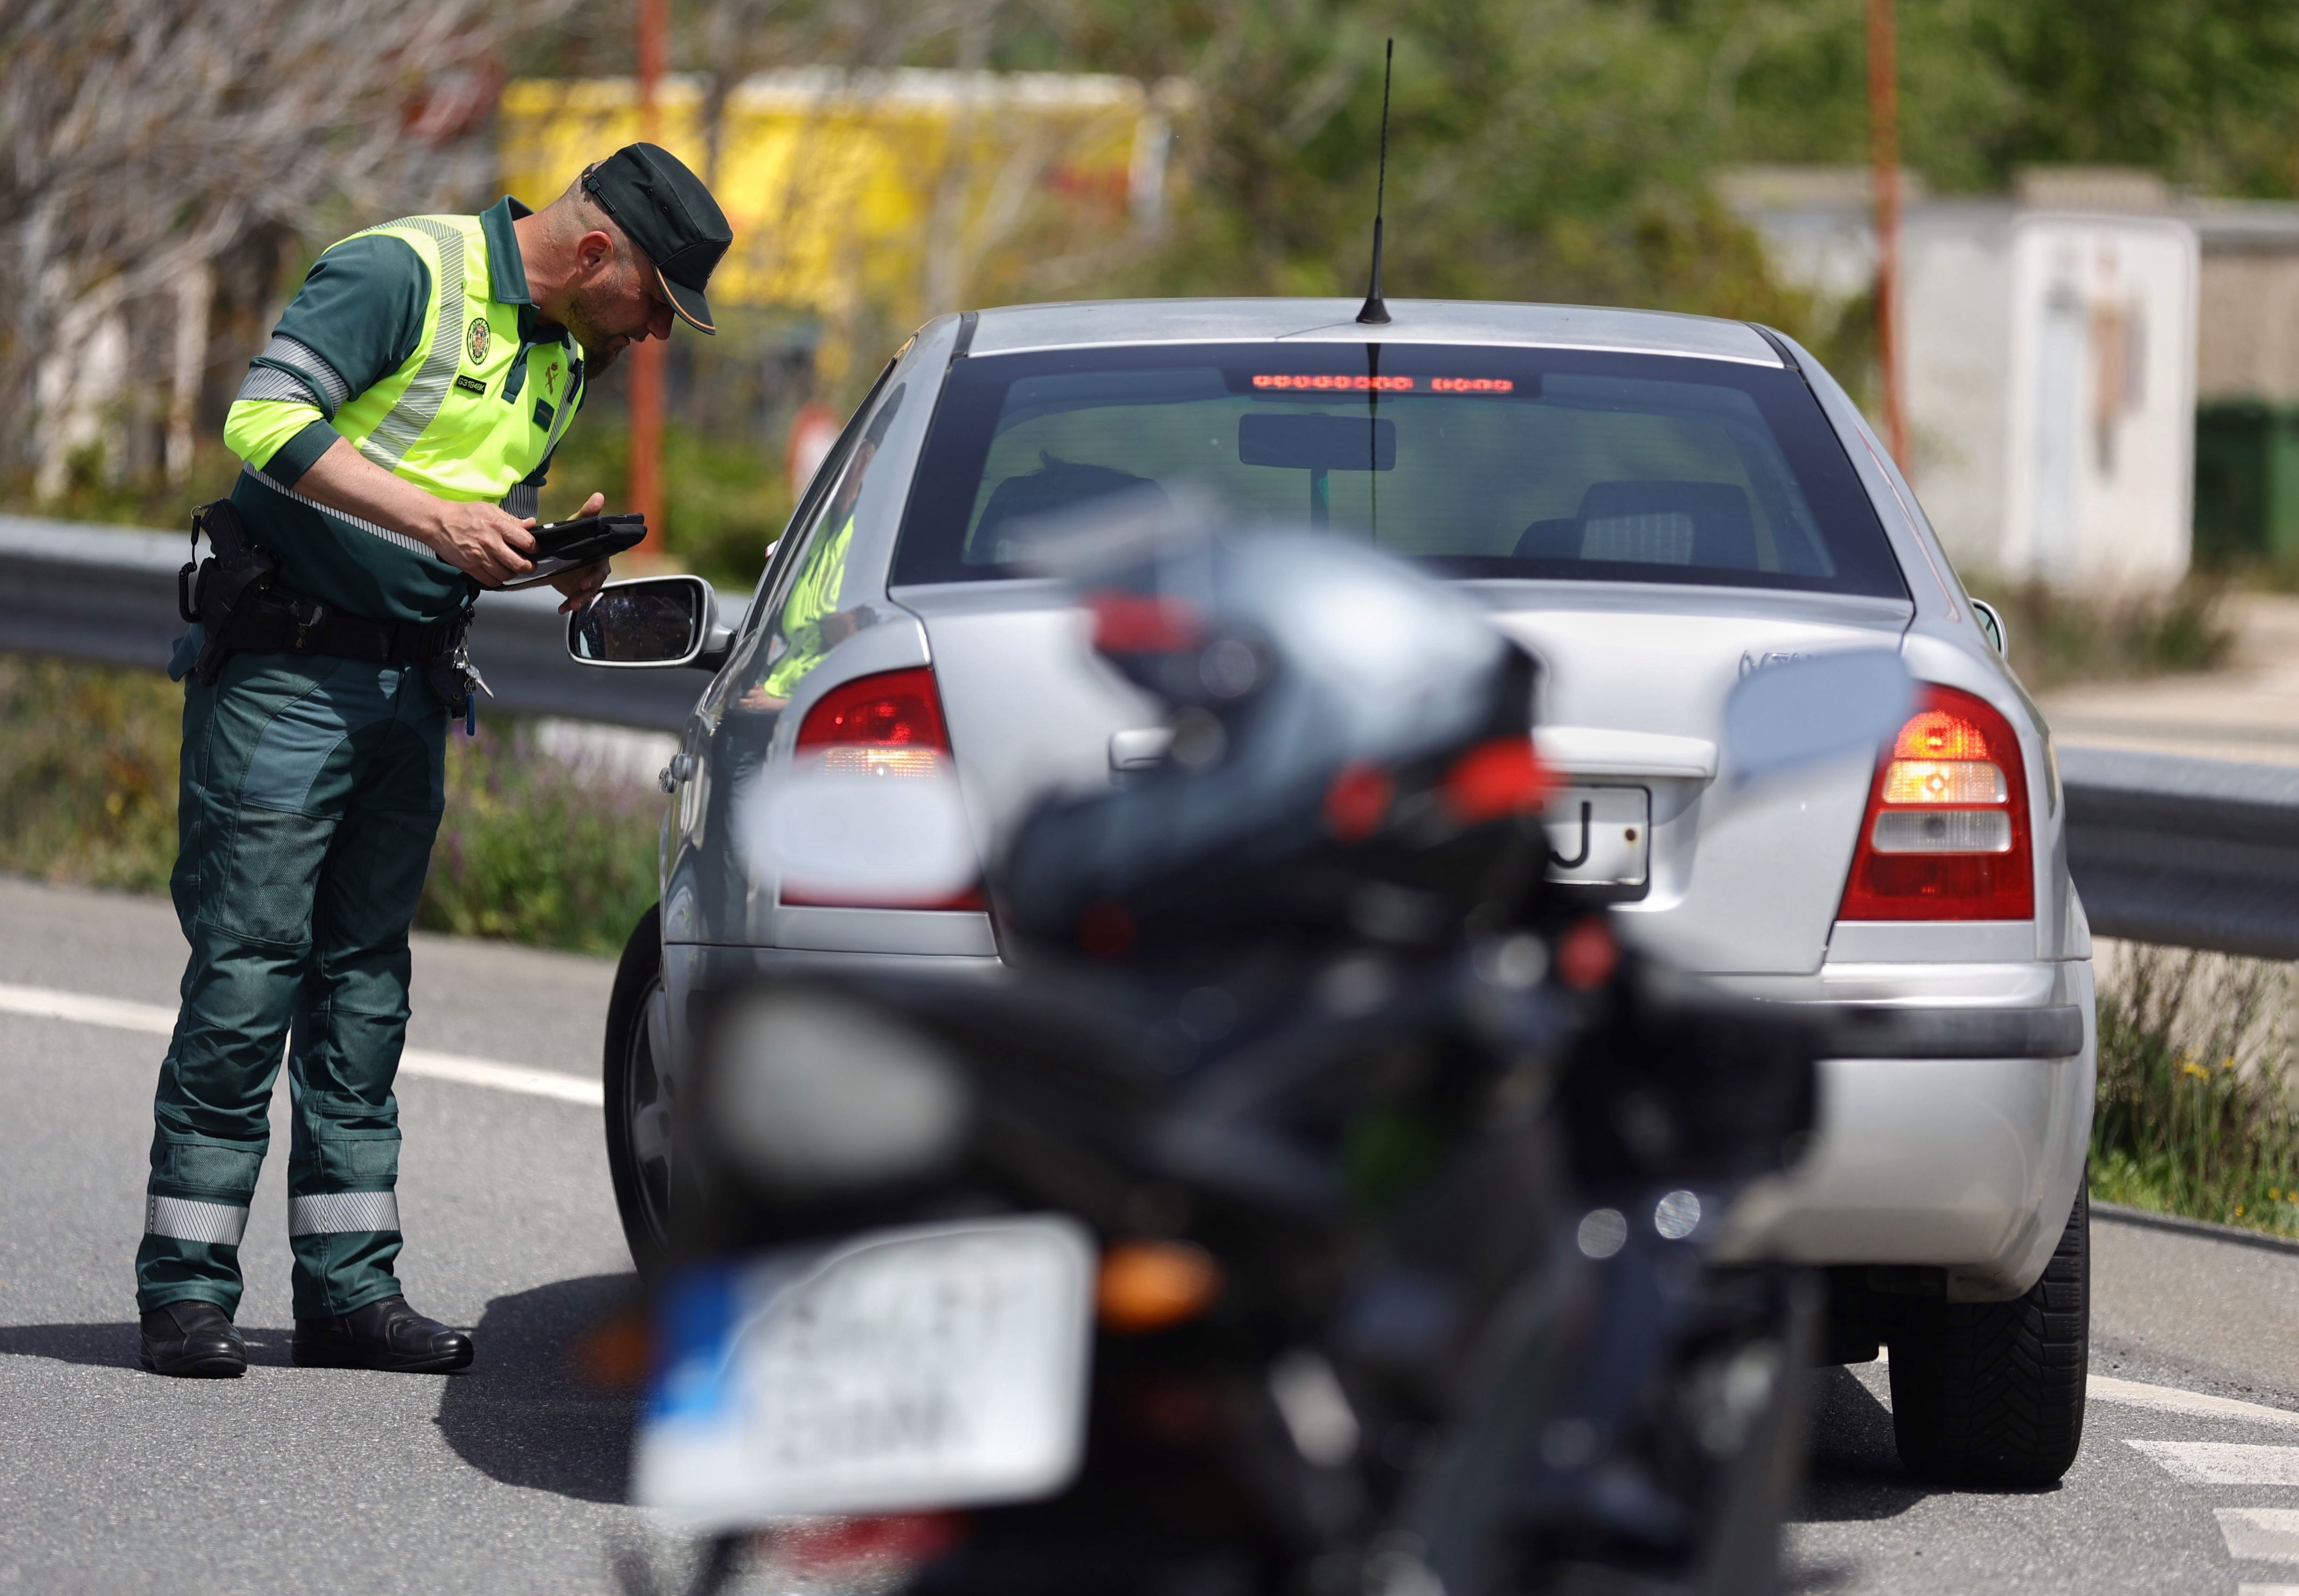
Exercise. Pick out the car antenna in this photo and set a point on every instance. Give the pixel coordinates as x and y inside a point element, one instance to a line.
<point>1374,311</point>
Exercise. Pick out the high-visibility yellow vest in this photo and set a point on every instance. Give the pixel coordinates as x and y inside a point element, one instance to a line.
<point>472,412</point>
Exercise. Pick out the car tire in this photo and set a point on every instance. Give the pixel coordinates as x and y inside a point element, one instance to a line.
<point>637,1109</point>
<point>1991,1394</point>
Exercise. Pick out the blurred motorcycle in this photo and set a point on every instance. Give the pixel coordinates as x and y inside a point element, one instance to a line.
<point>1326,1204</point>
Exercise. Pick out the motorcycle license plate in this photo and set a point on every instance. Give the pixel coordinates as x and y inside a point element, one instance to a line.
<point>901,1369</point>
<point>1599,837</point>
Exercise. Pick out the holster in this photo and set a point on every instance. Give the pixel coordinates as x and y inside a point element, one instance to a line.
<point>214,592</point>
<point>232,597</point>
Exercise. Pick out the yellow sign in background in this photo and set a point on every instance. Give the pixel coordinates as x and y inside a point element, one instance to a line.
<point>900,190</point>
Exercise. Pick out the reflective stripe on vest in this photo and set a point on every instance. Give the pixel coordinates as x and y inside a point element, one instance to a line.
<point>441,419</point>
<point>353,521</point>
<point>418,404</point>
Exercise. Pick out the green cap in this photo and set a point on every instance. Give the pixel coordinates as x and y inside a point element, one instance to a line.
<point>667,213</point>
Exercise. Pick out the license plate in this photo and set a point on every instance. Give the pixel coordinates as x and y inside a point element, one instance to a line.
<point>1599,837</point>
<point>940,1367</point>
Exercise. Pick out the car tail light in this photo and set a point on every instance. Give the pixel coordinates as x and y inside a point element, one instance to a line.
<point>885,725</point>
<point>888,726</point>
<point>1946,836</point>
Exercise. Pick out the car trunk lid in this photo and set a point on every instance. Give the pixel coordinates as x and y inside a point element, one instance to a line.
<point>1633,694</point>
<point>1637,674</point>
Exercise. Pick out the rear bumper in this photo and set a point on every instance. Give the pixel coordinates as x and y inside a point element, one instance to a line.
<point>1951,1135</point>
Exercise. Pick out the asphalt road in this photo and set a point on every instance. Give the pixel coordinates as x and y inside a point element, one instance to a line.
<point>511,1479</point>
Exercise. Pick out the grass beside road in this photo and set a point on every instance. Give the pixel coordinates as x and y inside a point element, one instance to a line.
<point>2196,1115</point>
<point>530,850</point>
<point>2058,637</point>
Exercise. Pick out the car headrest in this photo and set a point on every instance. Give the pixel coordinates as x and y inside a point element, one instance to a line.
<point>1057,485</point>
<point>1669,523</point>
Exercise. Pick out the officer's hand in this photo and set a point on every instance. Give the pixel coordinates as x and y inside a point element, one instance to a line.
<point>484,541</point>
<point>579,584</point>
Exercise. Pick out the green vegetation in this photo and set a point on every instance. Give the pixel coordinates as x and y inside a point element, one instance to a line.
<point>2195,1113</point>
<point>88,773</point>
<point>529,851</point>
<point>2058,638</point>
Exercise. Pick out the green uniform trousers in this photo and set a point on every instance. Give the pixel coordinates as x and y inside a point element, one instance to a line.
<point>312,790</point>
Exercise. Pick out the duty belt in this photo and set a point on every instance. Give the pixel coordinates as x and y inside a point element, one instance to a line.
<point>232,598</point>
<point>274,623</point>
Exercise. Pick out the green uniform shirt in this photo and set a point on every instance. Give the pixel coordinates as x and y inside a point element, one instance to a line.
<point>348,343</point>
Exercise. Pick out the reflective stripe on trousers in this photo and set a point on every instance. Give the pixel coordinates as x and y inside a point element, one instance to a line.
<point>338,1213</point>
<point>181,1219</point>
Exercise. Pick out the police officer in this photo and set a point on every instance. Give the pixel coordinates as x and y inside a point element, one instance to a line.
<point>395,432</point>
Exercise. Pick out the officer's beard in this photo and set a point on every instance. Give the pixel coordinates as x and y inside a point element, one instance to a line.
<point>599,351</point>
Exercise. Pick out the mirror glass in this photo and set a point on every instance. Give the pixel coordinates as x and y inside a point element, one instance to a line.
<point>656,621</point>
<point>1820,706</point>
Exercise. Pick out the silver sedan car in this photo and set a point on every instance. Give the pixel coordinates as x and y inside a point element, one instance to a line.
<point>1657,506</point>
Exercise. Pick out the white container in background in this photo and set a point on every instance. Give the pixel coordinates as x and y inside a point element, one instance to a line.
<point>2100,401</point>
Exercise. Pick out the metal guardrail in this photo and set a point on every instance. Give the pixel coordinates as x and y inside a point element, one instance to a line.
<point>108,595</point>
<point>2193,852</point>
<point>2197,853</point>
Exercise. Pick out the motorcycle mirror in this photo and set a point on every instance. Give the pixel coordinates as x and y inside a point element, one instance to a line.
<point>1800,712</point>
<point>860,840</point>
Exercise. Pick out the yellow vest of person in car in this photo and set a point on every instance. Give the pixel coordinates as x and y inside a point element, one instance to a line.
<point>475,408</point>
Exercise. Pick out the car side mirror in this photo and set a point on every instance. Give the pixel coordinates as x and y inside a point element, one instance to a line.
<point>1991,623</point>
<point>1818,708</point>
<point>652,623</point>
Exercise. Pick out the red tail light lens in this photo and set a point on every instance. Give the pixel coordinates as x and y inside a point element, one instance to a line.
<point>888,726</point>
<point>885,725</point>
<point>1946,836</point>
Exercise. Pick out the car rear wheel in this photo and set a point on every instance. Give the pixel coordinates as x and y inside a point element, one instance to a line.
<point>638,1109</point>
<point>1992,1394</point>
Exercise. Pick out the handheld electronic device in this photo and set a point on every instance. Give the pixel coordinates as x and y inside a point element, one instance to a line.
<point>562,546</point>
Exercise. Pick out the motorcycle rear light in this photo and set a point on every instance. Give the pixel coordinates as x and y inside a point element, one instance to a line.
<point>1500,777</point>
<point>1947,835</point>
<point>1135,623</point>
<point>880,1547</point>
<point>888,726</point>
<point>1153,1285</point>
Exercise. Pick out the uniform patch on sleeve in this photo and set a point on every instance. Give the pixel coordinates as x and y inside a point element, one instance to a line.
<point>470,384</point>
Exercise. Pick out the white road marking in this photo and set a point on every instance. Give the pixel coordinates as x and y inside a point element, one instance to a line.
<point>2223,1463</point>
<point>2170,1398</point>
<point>42,1002</point>
<point>2263,1534</point>
<point>2267,1590</point>
<point>2166,1399</point>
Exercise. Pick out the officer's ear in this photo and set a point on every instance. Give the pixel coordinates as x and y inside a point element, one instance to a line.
<point>594,253</point>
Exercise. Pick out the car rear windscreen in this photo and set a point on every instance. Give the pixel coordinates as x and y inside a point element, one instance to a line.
<point>1476,461</point>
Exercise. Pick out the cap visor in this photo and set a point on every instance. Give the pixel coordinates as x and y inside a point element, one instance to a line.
<point>691,307</point>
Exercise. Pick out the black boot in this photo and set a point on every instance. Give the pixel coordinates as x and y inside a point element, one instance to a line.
<point>388,1335</point>
<point>196,1341</point>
